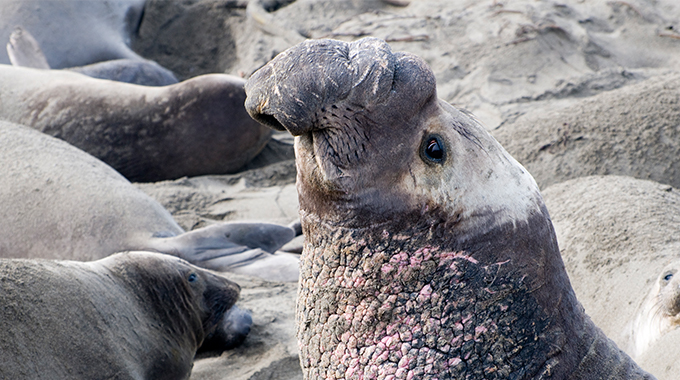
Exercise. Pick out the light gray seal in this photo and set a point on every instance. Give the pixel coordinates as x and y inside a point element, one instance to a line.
<point>24,51</point>
<point>74,33</point>
<point>192,128</point>
<point>58,202</point>
<point>429,253</point>
<point>132,315</point>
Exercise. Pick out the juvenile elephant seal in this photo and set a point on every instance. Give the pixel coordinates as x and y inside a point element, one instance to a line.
<point>429,251</point>
<point>58,202</point>
<point>195,127</point>
<point>660,311</point>
<point>135,315</point>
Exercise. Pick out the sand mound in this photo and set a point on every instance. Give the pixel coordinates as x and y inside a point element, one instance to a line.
<point>631,131</point>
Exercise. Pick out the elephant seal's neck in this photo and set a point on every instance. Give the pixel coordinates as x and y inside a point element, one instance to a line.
<point>408,299</point>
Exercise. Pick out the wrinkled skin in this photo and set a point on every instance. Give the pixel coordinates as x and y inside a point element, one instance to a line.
<point>419,263</point>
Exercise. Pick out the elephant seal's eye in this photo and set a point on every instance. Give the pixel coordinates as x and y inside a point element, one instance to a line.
<point>668,276</point>
<point>433,149</point>
<point>192,277</point>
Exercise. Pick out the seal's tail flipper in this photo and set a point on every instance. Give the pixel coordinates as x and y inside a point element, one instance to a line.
<point>230,246</point>
<point>24,50</point>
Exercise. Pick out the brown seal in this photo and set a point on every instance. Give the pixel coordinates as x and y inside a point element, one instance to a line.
<point>192,128</point>
<point>429,251</point>
<point>133,315</point>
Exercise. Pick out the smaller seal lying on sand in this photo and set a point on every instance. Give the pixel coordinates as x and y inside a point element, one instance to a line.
<point>148,134</point>
<point>429,253</point>
<point>132,315</point>
<point>660,311</point>
<point>58,202</point>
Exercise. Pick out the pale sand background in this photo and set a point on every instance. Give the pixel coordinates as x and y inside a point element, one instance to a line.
<point>571,88</point>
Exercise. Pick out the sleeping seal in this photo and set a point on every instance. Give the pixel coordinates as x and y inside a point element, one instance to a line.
<point>132,315</point>
<point>148,134</point>
<point>58,202</point>
<point>429,251</point>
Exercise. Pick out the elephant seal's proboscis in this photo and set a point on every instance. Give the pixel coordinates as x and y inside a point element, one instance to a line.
<point>429,251</point>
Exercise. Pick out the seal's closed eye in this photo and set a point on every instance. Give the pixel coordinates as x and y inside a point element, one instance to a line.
<point>192,277</point>
<point>668,276</point>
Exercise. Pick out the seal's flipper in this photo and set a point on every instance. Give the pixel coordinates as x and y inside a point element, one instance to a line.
<point>229,261</point>
<point>24,51</point>
<point>280,267</point>
<point>234,243</point>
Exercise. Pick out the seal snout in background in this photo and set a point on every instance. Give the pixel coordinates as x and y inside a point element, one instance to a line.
<point>659,312</point>
<point>429,252</point>
<point>136,315</point>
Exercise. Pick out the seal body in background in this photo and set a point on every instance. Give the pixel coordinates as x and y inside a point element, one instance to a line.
<point>58,202</point>
<point>133,315</point>
<point>429,252</point>
<point>74,33</point>
<point>192,128</point>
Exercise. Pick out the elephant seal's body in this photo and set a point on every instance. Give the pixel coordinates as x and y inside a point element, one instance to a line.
<point>74,33</point>
<point>58,202</point>
<point>429,251</point>
<point>24,51</point>
<point>192,128</point>
<point>135,315</point>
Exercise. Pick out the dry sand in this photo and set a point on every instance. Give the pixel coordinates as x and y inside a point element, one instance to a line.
<point>571,88</point>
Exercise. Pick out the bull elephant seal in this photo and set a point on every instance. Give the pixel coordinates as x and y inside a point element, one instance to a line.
<point>429,251</point>
<point>134,315</point>
<point>58,202</point>
<point>195,127</point>
<point>24,51</point>
<point>660,311</point>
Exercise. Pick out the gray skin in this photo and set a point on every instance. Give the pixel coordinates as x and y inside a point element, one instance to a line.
<point>24,51</point>
<point>132,315</point>
<point>418,265</point>
<point>74,33</point>
<point>192,128</point>
<point>58,202</point>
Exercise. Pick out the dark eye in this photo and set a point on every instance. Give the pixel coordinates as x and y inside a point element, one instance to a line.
<point>192,277</point>
<point>433,149</point>
<point>668,276</point>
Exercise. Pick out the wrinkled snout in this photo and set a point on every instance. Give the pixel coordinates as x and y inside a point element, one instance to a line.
<point>318,78</point>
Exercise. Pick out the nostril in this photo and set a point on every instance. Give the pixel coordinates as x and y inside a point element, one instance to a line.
<point>269,121</point>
